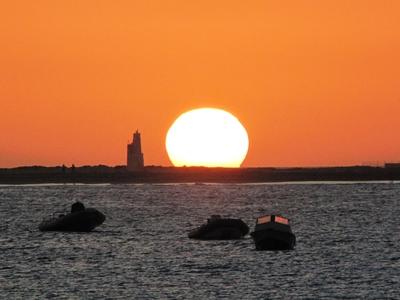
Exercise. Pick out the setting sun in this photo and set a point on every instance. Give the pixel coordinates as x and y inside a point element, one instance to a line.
<point>207,137</point>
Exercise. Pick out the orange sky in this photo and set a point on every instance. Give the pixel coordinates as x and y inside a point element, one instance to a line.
<point>314,82</point>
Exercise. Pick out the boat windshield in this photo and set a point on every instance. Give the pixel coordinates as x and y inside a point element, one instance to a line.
<point>264,219</point>
<point>281,220</point>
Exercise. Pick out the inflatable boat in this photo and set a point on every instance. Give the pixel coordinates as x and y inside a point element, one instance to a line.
<point>79,220</point>
<point>218,228</point>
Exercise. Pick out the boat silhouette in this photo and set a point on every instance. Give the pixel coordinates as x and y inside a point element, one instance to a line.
<point>273,232</point>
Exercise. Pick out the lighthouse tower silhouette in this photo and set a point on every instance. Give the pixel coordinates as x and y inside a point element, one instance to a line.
<point>135,159</point>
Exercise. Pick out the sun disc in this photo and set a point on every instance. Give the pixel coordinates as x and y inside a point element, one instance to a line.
<point>207,137</point>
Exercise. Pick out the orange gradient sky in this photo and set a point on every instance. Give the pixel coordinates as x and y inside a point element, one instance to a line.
<point>314,82</point>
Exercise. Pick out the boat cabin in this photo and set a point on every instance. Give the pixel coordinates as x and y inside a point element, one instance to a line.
<point>272,218</point>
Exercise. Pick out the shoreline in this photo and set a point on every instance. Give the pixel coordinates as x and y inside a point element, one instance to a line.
<point>209,183</point>
<point>119,174</point>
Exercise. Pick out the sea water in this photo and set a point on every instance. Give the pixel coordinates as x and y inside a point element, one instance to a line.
<point>347,242</point>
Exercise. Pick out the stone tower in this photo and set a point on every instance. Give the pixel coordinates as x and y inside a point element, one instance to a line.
<point>134,154</point>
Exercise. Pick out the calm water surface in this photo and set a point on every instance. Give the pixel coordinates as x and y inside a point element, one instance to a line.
<point>347,243</point>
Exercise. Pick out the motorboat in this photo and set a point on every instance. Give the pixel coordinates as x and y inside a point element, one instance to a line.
<point>273,232</point>
<point>80,219</point>
<point>218,228</point>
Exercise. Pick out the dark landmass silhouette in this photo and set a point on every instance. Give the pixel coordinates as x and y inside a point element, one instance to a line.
<point>157,174</point>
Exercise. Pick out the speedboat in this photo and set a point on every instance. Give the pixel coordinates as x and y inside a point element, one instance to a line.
<point>218,228</point>
<point>273,232</point>
<point>80,219</point>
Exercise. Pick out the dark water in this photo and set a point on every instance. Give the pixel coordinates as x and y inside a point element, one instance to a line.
<point>347,243</point>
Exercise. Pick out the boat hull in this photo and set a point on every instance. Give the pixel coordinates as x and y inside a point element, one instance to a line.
<point>222,229</point>
<point>81,221</point>
<point>271,239</point>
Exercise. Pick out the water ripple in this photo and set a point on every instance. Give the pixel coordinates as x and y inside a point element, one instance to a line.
<point>347,243</point>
